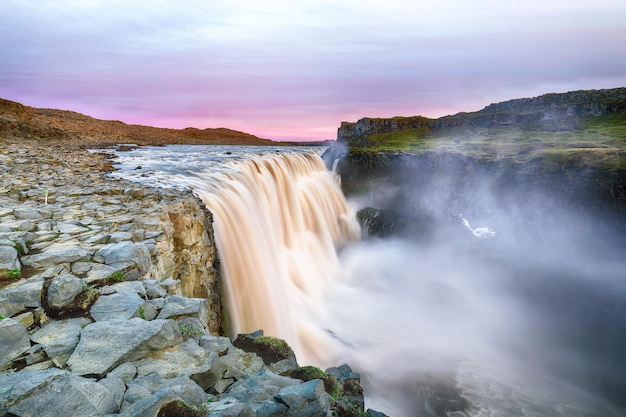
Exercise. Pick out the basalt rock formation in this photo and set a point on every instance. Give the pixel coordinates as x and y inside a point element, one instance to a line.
<point>569,147</point>
<point>550,111</point>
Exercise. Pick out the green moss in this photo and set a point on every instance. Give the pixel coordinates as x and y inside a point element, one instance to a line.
<point>20,249</point>
<point>275,342</point>
<point>117,276</point>
<point>190,332</point>
<point>14,273</point>
<point>309,373</point>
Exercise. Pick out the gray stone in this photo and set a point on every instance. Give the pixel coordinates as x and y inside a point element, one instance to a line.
<point>100,272</point>
<point>261,386</point>
<point>26,292</point>
<point>269,408</point>
<point>8,307</point>
<point>59,338</point>
<point>230,407</point>
<point>121,236</point>
<point>63,289</point>
<point>146,395</point>
<point>81,397</point>
<point>56,254</point>
<point>132,340</point>
<point>176,306</point>
<point>172,286</point>
<point>127,286</point>
<point>240,363</point>
<point>125,371</point>
<point>183,359</point>
<point>9,260</point>
<point>121,305</point>
<point>27,214</point>
<point>14,341</point>
<point>305,400</point>
<point>14,386</point>
<point>125,252</point>
<point>217,344</point>
<point>70,227</point>
<point>80,268</point>
<point>154,289</point>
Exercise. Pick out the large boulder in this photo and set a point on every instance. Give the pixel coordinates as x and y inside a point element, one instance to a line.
<point>105,344</point>
<point>63,290</point>
<point>14,341</point>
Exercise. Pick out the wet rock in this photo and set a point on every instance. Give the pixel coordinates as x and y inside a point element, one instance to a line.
<point>259,387</point>
<point>14,341</point>
<point>305,400</point>
<point>132,339</point>
<point>63,290</point>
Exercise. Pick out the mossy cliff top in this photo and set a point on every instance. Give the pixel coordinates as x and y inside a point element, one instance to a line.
<point>583,127</point>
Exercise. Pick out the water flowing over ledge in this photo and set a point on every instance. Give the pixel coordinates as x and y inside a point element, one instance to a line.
<point>279,221</point>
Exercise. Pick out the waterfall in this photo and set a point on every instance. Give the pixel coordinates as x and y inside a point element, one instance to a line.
<point>279,222</point>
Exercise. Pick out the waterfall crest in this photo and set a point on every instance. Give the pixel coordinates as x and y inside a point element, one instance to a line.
<point>279,221</point>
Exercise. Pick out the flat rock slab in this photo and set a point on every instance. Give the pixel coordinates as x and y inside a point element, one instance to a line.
<point>59,338</point>
<point>14,341</point>
<point>81,397</point>
<point>105,344</point>
<point>121,305</point>
<point>14,386</point>
<point>56,254</point>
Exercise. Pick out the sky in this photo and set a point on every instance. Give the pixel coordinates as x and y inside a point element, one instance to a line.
<point>294,70</point>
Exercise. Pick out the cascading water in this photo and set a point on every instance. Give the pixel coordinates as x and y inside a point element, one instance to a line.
<point>278,224</point>
<point>518,320</point>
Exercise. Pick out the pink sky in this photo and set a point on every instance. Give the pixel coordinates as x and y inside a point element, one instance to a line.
<point>289,70</point>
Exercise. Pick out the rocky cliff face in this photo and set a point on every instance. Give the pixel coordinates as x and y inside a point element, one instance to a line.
<point>553,111</point>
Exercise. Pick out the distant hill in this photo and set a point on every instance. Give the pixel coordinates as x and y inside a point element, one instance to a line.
<point>547,115</point>
<point>62,126</point>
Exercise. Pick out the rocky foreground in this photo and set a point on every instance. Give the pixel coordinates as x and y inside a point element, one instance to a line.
<point>109,305</point>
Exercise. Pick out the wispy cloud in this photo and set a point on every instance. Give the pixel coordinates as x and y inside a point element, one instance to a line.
<point>293,70</point>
